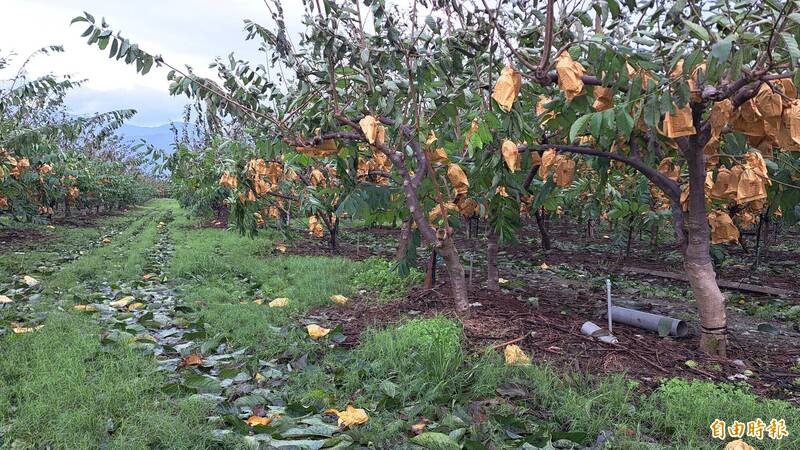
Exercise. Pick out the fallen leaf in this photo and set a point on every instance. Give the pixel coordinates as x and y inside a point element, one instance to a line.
<point>544,266</point>
<point>123,302</point>
<point>147,276</point>
<point>515,355</point>
<point>258,420</point>
<point>192,360</point>
<point>5,299</point>
<point>352,416</point>
<point>418,428</point>
<point>30,281</point>
<point>281,248</point>
<point>106,241</point>
<point>502,281</point>
<point>258,301</point>
<point>135,306</point>
<point>340,299</point>
<point>279,302</point>
<point>258,377</point>
<point>316,331</point>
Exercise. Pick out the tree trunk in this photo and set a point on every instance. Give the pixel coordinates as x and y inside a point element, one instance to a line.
<point>405,238</point>
<point>698,264</point>
<point>430,272</point>
<point>542,230</point>
<point>654,237</point>
<point>491,260</point>
<point>630,239</point>
<point>445,247</point>
<point>455,271</point>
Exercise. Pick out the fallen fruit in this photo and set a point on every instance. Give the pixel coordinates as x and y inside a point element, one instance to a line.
<point>340,299</point>
<point>514,355</point>
<point>350,416</point>
<point>18,329</point>
<point>279,302</point>
<point>258,420</point>
<point>316,331</point>
<point>5,299</point>
<point>192,360</point>
<point>123,302</point>
<point>135,306</point>
<point>30,281</point>
<point>84,308</point>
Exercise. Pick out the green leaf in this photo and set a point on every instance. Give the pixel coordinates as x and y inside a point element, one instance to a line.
<point>698,31</point>
<point>578,126</point>
<point>624,122</point>
<point>791,47</point>
<point>722,49</point>
<point>389,388</point>
<point>435,441</point>
<point>597,124</point>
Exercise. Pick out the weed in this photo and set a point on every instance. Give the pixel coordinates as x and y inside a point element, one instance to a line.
<point>381,276</point>
<point>61,389</point>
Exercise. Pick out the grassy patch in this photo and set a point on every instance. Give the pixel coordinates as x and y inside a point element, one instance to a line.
<point>685,410</point>
<point>224,273</point>
<point>381,276</point>
<point>123,259</point>
<point>61,389</point>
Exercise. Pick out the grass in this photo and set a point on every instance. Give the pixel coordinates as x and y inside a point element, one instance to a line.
<point>67,392</point>
<point>224,273</point>
<point>123,259</point>
<point>62,389</point>
<point>381,277</point>
<point>58,241</point>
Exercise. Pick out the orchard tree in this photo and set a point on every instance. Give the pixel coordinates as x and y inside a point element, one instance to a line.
<point>492,109</point>
<point>698,97</point>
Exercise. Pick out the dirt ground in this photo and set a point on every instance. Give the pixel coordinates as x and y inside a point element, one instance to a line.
<point>543,312</point>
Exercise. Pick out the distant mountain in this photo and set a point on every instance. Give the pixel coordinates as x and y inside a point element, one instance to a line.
<point>159,137</point>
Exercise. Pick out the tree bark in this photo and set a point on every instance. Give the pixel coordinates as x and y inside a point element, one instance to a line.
<point>491,260</point>
<point>455,271</point>
<point>630,238</point>
<point>545,235</point>
<point>405,238</point>
<point>697,261</point>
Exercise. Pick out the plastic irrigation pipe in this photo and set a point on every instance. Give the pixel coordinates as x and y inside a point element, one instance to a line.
<point>608,289</point>
<point>648,321</point>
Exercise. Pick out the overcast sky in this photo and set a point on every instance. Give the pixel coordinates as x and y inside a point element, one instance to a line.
<point>183,31</point>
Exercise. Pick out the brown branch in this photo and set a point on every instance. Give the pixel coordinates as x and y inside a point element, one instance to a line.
<point>670,187</point>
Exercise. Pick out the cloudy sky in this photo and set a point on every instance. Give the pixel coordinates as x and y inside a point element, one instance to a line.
<point>182,31</point>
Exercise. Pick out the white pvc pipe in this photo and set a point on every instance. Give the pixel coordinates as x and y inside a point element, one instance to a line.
<point>648,321</point>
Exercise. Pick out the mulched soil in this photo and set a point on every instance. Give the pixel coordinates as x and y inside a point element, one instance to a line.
<point>12,239</point>
<point>550,331</point>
